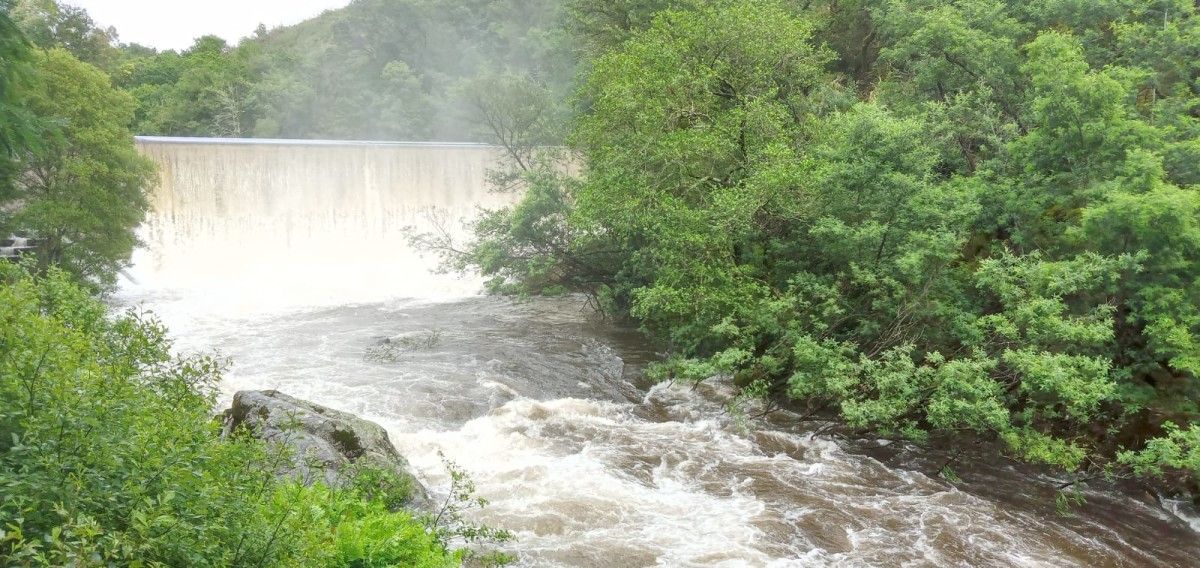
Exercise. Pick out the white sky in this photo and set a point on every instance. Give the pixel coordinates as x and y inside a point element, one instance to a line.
<point>173,24</point>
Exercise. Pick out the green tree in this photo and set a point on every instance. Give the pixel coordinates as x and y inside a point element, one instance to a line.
<point>686,157</point>
<point>50,24</point>
<point>83,194</point>
<point>966,221</point>
<point>208,90</point>
<point>602,25</point>
<point>18,128</point>
<point>381,70</point>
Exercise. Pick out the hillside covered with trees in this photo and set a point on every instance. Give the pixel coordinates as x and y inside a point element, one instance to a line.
<point>375,70</point>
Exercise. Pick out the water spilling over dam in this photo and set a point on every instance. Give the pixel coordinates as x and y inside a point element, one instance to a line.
<point>329,219</point>
<point>542,403</point>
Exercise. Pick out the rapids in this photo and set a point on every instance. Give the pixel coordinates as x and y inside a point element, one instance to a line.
<point>291,260</point>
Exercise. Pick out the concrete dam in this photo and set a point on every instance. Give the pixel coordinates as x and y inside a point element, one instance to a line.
<point>332,218</point>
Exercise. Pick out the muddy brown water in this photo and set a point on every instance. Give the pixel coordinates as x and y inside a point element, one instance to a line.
<point>291,259</point>
<point>589,466</point>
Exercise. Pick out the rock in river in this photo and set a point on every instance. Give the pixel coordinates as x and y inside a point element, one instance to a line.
<point>324,442</point>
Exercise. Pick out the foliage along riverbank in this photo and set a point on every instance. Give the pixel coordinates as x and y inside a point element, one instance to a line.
<point>109,453</point>
<point>972,221</point>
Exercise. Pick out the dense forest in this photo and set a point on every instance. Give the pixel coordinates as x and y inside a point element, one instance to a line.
<point>377,70</point>
<point>970,223</point>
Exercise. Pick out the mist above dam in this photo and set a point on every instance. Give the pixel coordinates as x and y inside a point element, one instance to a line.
<point>288,222</point>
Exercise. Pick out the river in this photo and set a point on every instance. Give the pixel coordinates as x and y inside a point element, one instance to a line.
<point>545,406</point>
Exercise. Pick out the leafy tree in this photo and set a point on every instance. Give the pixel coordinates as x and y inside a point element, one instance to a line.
<point>518,113</point>
<point>602,25</point>
<point>50,24</point>
<point>682,156</point>
<point>83,194</point>
<point>373,70</point>
<point>212,94</point>
<point>18,128</point>
<point>971,221</point>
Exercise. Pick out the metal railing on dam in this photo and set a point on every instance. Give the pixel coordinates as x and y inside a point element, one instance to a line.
<point>301,209</point>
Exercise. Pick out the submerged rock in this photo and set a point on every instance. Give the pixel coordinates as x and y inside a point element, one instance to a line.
<point>391,349</point>
<point>325,443</point>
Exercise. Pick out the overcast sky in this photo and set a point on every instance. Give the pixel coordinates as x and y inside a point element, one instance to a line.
<point>173,24</point>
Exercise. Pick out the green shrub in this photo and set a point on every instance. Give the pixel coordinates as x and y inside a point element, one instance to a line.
<point>109,455</point>
<point>974,222</point>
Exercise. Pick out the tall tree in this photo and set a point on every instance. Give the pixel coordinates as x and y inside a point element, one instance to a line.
<point>50,23</point>
<point>17,129</point>
<point>84,193</point>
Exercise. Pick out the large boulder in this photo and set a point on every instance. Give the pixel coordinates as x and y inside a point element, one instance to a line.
<point>324,443</point>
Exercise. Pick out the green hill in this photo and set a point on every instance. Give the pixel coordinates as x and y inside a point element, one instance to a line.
<point>376,69</point>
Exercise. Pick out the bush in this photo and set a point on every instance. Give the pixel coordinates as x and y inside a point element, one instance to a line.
<point>109,454</point>
<point>969,224</point>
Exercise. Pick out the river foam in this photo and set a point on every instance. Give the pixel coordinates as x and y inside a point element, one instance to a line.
<point>292,260</point>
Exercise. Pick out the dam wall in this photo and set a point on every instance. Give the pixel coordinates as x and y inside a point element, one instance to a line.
<point>331,218</point>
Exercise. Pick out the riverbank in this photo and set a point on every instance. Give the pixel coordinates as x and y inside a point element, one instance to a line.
<point>590,466</point>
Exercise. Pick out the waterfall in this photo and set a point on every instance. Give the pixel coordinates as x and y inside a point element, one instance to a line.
<point>287,222</point>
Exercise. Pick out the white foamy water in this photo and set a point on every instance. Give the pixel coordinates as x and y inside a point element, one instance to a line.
<point>259,226</point>
<point>291,260</point>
